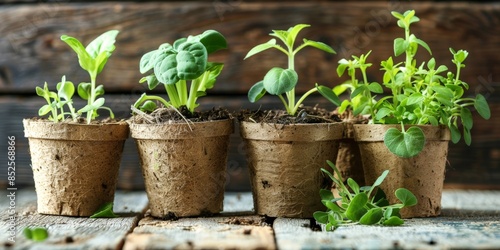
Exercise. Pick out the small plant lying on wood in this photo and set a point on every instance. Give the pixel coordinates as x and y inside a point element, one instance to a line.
<point>175,64</point>
<point>92,59</point>
<point>420,94</point>
<point>364,205</point>
<point>279,81</point>
<point>36,234</point>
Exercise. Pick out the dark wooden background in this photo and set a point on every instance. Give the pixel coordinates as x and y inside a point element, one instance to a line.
<point>31,53</point>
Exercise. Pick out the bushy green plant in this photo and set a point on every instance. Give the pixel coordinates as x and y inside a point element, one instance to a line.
<point>364,205</point>
<point>175,64</point>
<point>92,59</point>
<point>420,93</point>
<point>279,81</point>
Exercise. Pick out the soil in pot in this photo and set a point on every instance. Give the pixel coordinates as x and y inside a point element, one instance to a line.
<point>423,174</point>
<point>183,159</point>
<point>75,166</point>
<point>285,158</point>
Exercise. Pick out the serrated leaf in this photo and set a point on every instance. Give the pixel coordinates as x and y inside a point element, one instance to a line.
<point>405,144</point>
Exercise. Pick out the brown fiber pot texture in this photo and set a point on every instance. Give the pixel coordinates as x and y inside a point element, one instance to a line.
<point>75,166</point>
<point>423,174</point>
<point>285,163</point>
<point>184,166</point>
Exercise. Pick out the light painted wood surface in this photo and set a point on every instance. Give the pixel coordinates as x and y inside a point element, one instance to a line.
<point>470,220</point>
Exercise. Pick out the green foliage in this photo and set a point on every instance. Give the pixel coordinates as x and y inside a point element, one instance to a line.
<point>175,64</point>
<point>360,204</point>
<point>92,59</point>
<point>421,93</point>
<point>36,234</point>
<point>105,211</point>
<point>56,101</point>
<point>279,81</point>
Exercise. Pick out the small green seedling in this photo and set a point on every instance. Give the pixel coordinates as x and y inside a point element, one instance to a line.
<point>38,234</point>
<point>92,59</point>
<point>420,94</point>
<point>105,211</point>
<point>279,81</point>
<point>56,101</point>
<point>175,64</point>
<point>364,205</point>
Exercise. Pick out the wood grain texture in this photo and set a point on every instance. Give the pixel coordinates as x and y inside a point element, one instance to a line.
<point>32,52</point>
<point>73,232</point>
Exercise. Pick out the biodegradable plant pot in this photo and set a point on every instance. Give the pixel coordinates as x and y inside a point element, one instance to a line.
<point>184,166</point>
<point>423,174</point>
<point>349,158</point>
<point>75,166</point>
<point>285,163</point>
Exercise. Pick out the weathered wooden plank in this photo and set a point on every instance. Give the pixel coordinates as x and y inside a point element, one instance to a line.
<point>32,53</point>
<point>71,232</point>
<point>469,221</point>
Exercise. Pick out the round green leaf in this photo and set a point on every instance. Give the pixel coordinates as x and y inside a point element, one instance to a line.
<point>393,221</point>
<point>321,217</point>
<point>191,60</point>
<point>356,208</point>
<point>406,197</point>
<point>371,217</point>
<point>482,107</point>
<point>84,89</point>
<point>165,68</point>
<point>278,81</point>
<point>405,144</point>
<point>213,41</point>
<point>256,92</point>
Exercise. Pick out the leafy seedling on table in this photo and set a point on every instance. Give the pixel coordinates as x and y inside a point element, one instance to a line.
<point>279,81</point>
<point>92,59</point>
<point>38,234</point>
<point>105,211</point>
<point>364,205</point>
<point>420,93</point>
<point>175,64</point>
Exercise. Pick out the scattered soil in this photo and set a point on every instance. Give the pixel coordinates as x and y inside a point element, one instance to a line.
<point>181,115</point>
<point>304,115</point>
<point>247,221</point>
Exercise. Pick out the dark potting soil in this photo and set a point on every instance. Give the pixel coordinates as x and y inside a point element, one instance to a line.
<point>303,115</point>
<point>81,120</point>
<point>181,115</point>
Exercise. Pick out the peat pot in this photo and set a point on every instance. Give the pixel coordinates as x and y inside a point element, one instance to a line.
<point>423,174</point>
<point>184,166</point>
<point>285,163</point>
<point>75,166</point>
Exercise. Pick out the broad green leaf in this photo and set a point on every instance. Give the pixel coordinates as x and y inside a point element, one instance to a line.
<point>466,117</point>
<point>467,136</point>
<point>342,67</point>
<point>261,47</point>
<point>406,197</point>
<point>45,109</point>
<point>359,90</point>
<point>455,133</point>
<point>102,44</point>
<point>319,45</point>
<point>65,89</point>
<point>415,98</point>
<point>41,92</point>
<point>393,221</point>
<point>482,107</point>
<point>293,32</point>
<point>256,92</point>
<point>443,91</point>
<point>191,60</point>
<point>400,46</point>
<point>356,208</point>
<point>84,90</point>
<point>326,194</point>
<point>151,80</point>
<point>433,121</point>
<point>94,106</point>
<point>212,40</point>
<point>405,144</point>
<point>331,205</point>
<point>353,185</point>
<point>375,88</point>
<point>382,113</point>
<point>278,81</point>
<point>165,69</point>
<point>371,217</point>
<point>359,109</point>
<point>146,64</point>
<point>329,94</point>
<point>84,59</point>
<point>321,217</point>
<point>105,211</point>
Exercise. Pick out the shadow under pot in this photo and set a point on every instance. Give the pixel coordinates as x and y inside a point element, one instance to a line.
<point>423,174</point>
<point>285,163</point>
<point>184,166</point>
<point>75,166</point>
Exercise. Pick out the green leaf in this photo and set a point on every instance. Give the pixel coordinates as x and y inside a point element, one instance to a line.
<point>84,90</point>
<point>105,211</point>
<point>146,64</point>
<point>382,113</point>
<point>482,107</point>
<point>84,59</point>
<point>360,89</point>
<point>151,80</point>
<point>467,136</point>
<point>148,106</point>
<point>326,194</point>
<point>375,88</point>
<point>400,46</point>
<point>261,47</point>
<point>405,144</point>
<point>353,185</point>
<point>455,133</point>
<point>45,109</point>
<point>38,234</point>
<point>443,91</point>
<point>102,44</point>
<point>212,40</point>
<point>278,81</point>
<point>329,94</point>
<point>321,217</point>
<point>371,217</point>
<point>319,45</point>
<point>191,60</point>
<point>342,67</point>
<point>256,92</point>
<point>423,44</point>
<point>466,117</point>
<point>415,98</point>
<point>165,68</point>
<point>65,89</point>
<point>393,221</point>
<point>356,208</point>
<point>406,197</point>
<point>331,205</point>
<point>293,32</point>
<point>379,181</point>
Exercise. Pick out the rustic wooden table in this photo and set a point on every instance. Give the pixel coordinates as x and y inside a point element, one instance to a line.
<point>470,220</point>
